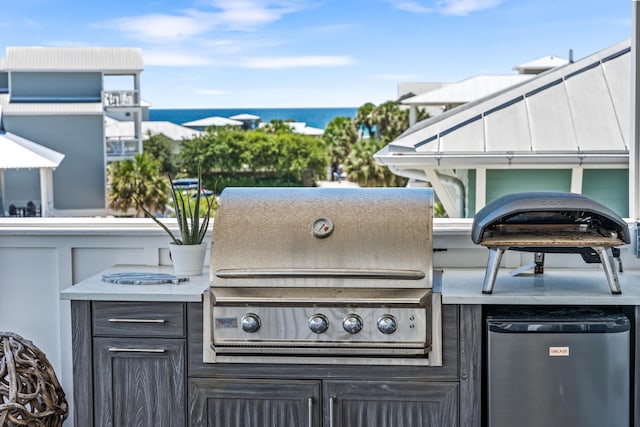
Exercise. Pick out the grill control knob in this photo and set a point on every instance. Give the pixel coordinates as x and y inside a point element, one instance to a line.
<point>318,323</point>
<point>352,323</point>
<point>387,324</point>
<point>250,323</point>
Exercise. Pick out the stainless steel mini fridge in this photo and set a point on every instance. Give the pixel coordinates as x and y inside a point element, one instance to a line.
<point>557,367</point>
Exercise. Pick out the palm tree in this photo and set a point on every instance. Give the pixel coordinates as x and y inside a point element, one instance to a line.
<point>139,179</point>
<point>339,137</point>
<point>365,119</point>
<point>390,120</point>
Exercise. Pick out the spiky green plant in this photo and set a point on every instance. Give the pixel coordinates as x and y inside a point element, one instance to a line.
<point>192,231</point>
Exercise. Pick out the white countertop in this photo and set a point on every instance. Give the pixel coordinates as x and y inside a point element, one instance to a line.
<point>94,288</point>
<point>556,286</point>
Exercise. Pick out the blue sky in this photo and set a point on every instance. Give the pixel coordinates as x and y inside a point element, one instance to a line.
<point>315,53</point>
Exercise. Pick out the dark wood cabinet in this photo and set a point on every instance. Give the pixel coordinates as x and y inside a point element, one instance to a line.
<point>258,403</point>
<point>129,363</point>
<point>390,404</point>
<point>140,364</point>
<point>139,382</point>
<point>254,403</point>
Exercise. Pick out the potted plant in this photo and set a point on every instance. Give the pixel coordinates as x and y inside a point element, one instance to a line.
<point>187,249</point>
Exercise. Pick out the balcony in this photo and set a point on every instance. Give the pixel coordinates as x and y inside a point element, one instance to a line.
<point>121,147</point>
<point>121,99</point>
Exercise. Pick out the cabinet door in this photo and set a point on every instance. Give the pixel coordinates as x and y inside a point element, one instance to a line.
<point>139,382</point>
<point>390,404</point>
<point>253,403</point>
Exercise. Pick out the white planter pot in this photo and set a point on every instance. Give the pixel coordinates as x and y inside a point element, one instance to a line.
<point>188,260</point>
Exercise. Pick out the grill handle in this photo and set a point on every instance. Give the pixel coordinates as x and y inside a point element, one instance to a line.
<point>116,320</point>
<point>351,273</point>
<point>136,350</point>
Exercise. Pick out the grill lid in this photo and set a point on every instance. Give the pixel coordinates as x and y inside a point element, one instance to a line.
<point>360,237</point>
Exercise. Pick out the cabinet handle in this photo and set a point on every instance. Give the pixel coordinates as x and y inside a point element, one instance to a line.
<point>136,350</point>
<point>310,410</point>
<point>137,320</point>
<point>332,401</point>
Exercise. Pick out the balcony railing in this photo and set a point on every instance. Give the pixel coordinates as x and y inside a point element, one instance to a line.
<point>120,98</point>
<point>122,146</point>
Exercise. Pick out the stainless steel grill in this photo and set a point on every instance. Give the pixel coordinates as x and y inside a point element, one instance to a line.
<point>550,222</point>
<point>310,275</point>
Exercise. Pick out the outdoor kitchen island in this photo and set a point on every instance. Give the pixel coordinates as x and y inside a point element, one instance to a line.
<point>153,373</point>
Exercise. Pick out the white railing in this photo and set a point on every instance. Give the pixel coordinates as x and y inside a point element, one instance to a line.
<point>122,146</point>
<point>121,98</point>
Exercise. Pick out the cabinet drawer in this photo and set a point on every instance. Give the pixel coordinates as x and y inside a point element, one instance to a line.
<point>155,319</point>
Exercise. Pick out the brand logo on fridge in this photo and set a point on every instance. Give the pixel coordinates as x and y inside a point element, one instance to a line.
<point>558,351</point>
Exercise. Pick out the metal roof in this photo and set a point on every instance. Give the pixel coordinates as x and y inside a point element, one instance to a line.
<point>575,114</point>
<point>245,116</point>
<point>544,63</point>
<point>118,128</point>
<point>110,60</point>
<point>213,121</point>
<point>467,90</point>
<point>20,153</point>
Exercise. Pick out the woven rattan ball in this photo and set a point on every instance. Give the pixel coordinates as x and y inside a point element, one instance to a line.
<point>30,394</point>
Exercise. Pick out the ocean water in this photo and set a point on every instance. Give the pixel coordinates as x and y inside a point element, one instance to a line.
<point>314,117</point>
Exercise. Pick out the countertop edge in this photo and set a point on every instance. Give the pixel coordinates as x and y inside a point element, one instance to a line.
<point>95,289</point>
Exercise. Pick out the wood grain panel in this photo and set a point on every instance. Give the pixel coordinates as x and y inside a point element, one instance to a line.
<point>139,388</point>
<point>224,403</point>
<point>164,319</point>
<point>82,362</point>
<point>390,404</point>
<point>471,331</point>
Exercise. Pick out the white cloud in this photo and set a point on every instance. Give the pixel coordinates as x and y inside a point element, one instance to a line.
<point>173,59</point>
<point>445,7</point>
<point>238,15</point>
<point>411,6</point>
<point>250,14</point>
<point>162,28</point>
<point>464,7</point>
<point>297,61</point>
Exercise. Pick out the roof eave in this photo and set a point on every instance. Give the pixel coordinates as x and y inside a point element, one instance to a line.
<point>408,160</point>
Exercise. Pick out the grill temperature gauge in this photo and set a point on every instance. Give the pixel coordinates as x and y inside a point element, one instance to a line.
<point>321,228</point>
